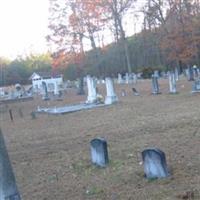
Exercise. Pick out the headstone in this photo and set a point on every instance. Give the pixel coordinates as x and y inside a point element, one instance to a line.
<point>190,74</point>
<point>119,80</point>
<point>135,92</point>
<point>111,96</point>
<point>156,73</point>
<point>127,78</point>
<point>155,86</point>
<point>176,73</point>
<point>56,89</point>
<point>154,162</point>
<point>99,152</point>
<point>196,86</point>
<point>81,86</point>
<point>92,93</point>
<point>172,83</point>
<point>11,115</point>
<point>123,92</point>
<point>8,187</point>
<point>46,96</point>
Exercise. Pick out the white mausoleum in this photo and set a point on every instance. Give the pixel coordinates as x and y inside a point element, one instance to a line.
<point>51,81</point>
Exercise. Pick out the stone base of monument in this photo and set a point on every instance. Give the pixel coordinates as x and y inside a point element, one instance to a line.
<point>110,100</point>
<point>68,108</point>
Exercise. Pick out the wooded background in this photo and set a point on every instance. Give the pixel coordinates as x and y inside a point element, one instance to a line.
<point>169,37</point>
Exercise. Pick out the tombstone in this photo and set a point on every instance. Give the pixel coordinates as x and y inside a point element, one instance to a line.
<point>190,74</point>
<point>119,80</point>
<point>127,78</point>
<point>135,92</point>
<point>92,93</point>
<point>46,96</point>
<point>154,162</point>
<point>99,152</point>
<point>195,70</point>
<point>111,96</point>
<point>155,86</point>
<point>172,83</point>
<point>123,92</point>
<point>8,187</point>
<point>81,86</point>
<point>196,86</point>
<point>156,73</point>
<point>176,74</point>
<point>56,89</point>
<point>33,115</point>
<point>134,78</point>
<point>11,115</point>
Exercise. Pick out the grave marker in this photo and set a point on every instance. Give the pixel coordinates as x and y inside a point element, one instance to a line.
<point>99,152</point>
<point>154,162</point>
<point>8,187</point>
<point>155,86</point>
<point>111,96</point>
<point>92,92</point>
<point>172,83</point>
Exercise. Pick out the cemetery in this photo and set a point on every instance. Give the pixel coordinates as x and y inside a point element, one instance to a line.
<point>133,144</point>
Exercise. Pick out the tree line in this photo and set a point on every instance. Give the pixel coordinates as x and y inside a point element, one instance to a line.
<point>170,35</point>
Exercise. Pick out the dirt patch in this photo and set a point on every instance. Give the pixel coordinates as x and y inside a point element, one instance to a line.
<point>51,155</point>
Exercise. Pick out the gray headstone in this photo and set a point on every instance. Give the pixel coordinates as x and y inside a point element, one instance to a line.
<point>46,96</point>
<point>196,86</point>
<point>99,152</point>
<point>190,74</point>
<point>81,86</point>
<point>155,86</point>
<point>154,162</point>
<point>8,187</point>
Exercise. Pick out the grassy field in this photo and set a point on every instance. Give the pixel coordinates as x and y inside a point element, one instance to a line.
<point>51,154</point>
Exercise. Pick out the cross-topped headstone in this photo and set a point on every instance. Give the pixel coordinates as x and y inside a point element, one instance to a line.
<point>154,162</point>
<point>99,152</point>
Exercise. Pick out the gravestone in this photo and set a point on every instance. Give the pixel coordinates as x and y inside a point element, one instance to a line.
<point>127,78</point>
<point>172,83</point>
<point>99,152</point>
<point>135,92</point>
<point>46,96</point>
<point>81,86</point>
<point>154,162</point>
<point>123,92</point>
<point>92,92</point>
<point>119,80</point>
<point>156,73</point>
<point>111,96</point>
<point>8,187</point>
<point>155,86</point>
<point>190,74</point>
<point>196,86</point>
<point>176,73</point>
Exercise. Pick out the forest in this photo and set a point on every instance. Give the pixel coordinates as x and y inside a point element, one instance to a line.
<point>90,37</point>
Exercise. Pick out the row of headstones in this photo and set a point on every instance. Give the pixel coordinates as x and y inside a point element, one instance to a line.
<point>172,84</point>
<point>93,96</point>
<point>154,160</point>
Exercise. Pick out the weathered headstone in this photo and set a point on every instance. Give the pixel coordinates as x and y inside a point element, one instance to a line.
<point>172,83</point>
<point>8,187</point>
<point>11,115</point>
<point>46,96</point>
<point>81,86</point>
<point>119,80</point>
<point>127,78</point>
<point>99,152</point>
<point>111,96</point>
<point>176,72</point>
<point>196,86</point>
<point>135,92</point>
<point>123,92</point>
<point>190,74</point>
<point>155,86</point>
<point>92,92</point>
<point>154,162</point>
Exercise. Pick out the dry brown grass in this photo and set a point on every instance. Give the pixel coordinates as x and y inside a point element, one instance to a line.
<point>51,155</point>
